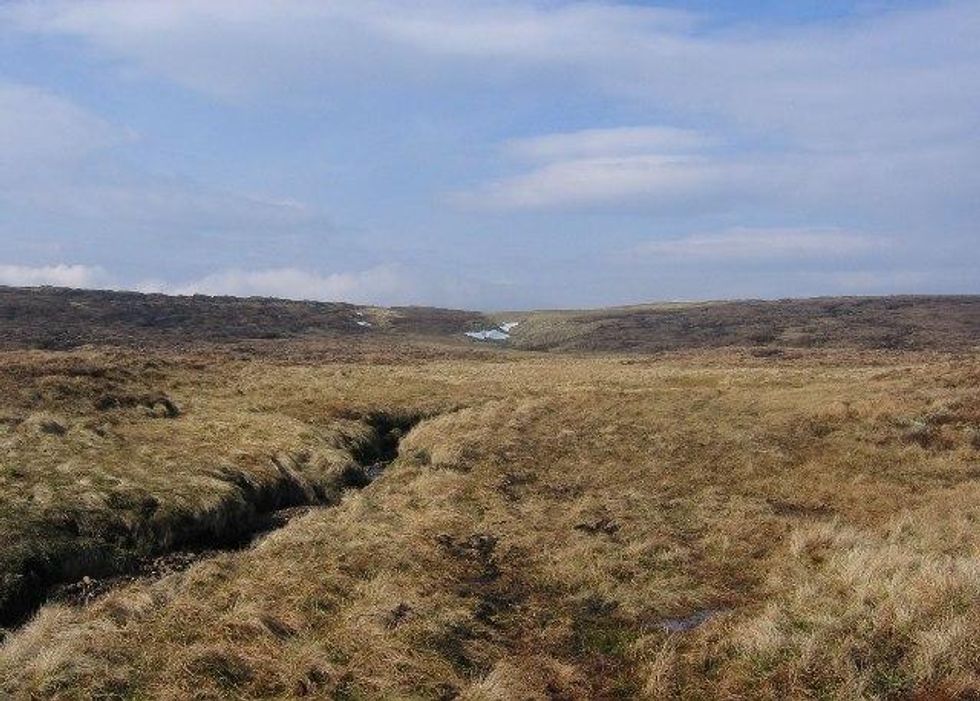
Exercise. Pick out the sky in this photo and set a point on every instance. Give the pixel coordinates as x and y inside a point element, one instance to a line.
<point>491,154</point>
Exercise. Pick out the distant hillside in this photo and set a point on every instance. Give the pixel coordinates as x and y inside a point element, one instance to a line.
<point>56,319</point>
<point>936,322</point>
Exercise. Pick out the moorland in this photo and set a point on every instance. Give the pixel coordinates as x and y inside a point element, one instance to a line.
<point>221,498</point>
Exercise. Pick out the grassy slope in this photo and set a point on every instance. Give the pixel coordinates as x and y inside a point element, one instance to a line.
<point>539,529</point>
<point>842,322</point>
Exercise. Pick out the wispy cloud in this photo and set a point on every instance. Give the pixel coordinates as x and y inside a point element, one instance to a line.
<point>60,162</point>
<point>235,48</point>
<point>748,244</point>
<point>883,78</point>
<point>657,166</point>
<point>162,205</point>
<point>605,143</point>
<point>655,180</point>
<point>39,130</point>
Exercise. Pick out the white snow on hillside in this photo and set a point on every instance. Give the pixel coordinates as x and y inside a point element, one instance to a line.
<point>501,333</point>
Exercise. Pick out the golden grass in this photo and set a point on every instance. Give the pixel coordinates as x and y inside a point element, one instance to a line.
<point>538,533</point>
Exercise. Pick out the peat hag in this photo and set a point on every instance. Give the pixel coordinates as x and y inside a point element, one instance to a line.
<point>149,549</point>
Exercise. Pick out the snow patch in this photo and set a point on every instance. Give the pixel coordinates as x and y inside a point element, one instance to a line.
<point>364,323</point>
<point>501,333</point>
<point>488,335</point>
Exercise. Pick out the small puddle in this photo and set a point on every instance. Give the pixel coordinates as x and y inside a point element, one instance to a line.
<point>689,623</point>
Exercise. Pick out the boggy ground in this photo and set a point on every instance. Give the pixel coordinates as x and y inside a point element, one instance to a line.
<point>687,525</point>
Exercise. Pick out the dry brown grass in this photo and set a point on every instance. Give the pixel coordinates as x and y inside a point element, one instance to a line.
<point>538,533</point>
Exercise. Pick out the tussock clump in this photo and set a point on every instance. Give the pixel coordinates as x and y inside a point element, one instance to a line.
<point>860,616</point>
<point>927,435</point>
<point>156,405</point>
<point>43,424</point>
<point>974,437</point>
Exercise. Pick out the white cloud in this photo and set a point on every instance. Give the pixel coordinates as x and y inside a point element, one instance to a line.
<point>748,244</point>
<point>46,139</point>
<point>382,284</point>
<point>659,167</point>
<point>809,102</point>
<point>164,205</point>
<point>389,284</point>
<point>565,33</point>
<point>56,159</point>
<point>41,130</point>
<point>884,78</point>
<point>233,48</point>
<point>654,180</point>
<point>605,143</point>
<point>57,275</point>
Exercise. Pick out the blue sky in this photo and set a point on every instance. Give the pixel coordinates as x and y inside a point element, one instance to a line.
<point>491,154</point>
